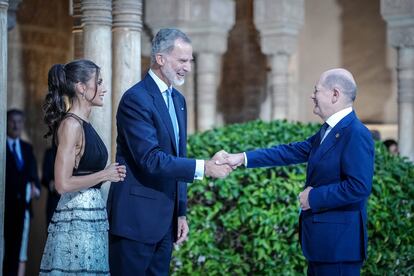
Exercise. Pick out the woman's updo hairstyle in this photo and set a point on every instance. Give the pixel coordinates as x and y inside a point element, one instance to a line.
<point>61,85</point>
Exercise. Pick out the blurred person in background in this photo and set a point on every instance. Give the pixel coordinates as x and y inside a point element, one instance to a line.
<point>392,146</point>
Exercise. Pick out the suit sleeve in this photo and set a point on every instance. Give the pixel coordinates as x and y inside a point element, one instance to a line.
<point>357,169</point>
<point>137,128</point>
<point>281,155</point>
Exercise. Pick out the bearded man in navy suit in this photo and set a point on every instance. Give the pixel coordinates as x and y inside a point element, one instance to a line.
<point>147,211</point>
<point>340,158</point>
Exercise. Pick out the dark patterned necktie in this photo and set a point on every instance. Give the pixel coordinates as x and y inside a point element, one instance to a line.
<point>323,130</point>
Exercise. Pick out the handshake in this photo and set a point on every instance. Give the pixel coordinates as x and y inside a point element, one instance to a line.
<point>222,164</point>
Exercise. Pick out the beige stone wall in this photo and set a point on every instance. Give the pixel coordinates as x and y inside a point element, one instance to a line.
<point>365,53</point>
<point>319,49</point>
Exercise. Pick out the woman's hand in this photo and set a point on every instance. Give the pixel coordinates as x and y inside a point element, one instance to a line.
<point>115,172</point>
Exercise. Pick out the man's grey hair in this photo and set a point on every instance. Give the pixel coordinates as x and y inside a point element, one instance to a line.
<point>343,83</point>
<point>164,40</point>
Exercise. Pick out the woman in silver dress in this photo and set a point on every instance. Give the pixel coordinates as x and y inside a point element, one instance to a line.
<point>77,242</point>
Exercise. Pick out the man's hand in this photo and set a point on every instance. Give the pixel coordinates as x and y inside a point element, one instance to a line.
<point>234,160</point>
<point>182,233</point>
<point>219,157</point>
<point>211,169</point>
<point>52,186</point>
<point>34,191</point>
<point>304,198</point>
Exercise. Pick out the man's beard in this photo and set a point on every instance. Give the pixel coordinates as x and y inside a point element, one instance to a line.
<point>171,75</point>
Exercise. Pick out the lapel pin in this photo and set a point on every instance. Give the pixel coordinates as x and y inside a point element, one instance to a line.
<point>337,135</point>
<point>182,108</point>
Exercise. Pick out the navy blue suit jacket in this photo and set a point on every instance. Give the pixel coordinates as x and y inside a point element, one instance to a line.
<point>340,170</point>
<point>15,203</point>
<point>154,192</point>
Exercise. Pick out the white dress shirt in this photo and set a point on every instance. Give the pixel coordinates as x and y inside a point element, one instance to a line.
<point>334,119</point>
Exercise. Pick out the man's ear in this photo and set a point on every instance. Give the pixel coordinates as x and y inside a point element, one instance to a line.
<point>336,94</point>
<point>160,59</point>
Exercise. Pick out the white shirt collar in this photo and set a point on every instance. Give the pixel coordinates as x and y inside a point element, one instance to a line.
<point>162,86</point>
<point>338,116</point>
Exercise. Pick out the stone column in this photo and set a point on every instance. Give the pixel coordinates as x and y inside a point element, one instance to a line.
<point>97,37</point>
<point>208,67</point>
<point>209,32</point>
<point>207,23</point>
<point>15,83</point>
<point>126,45</point>
<point>405,69</point>
<point>279,85</point>
<point>399,15</point>
<point>278,22</point>
<point>11,13</point>
<point>77,30</point>
<point>3,112</point>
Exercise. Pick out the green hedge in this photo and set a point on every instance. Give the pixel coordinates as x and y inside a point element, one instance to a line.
<point>248,222</point>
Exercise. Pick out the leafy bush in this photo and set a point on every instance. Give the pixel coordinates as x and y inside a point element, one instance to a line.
<point>248,222</point>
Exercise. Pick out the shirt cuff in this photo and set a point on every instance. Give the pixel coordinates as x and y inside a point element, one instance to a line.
<point>245,160</point>
<point>199,170</point>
